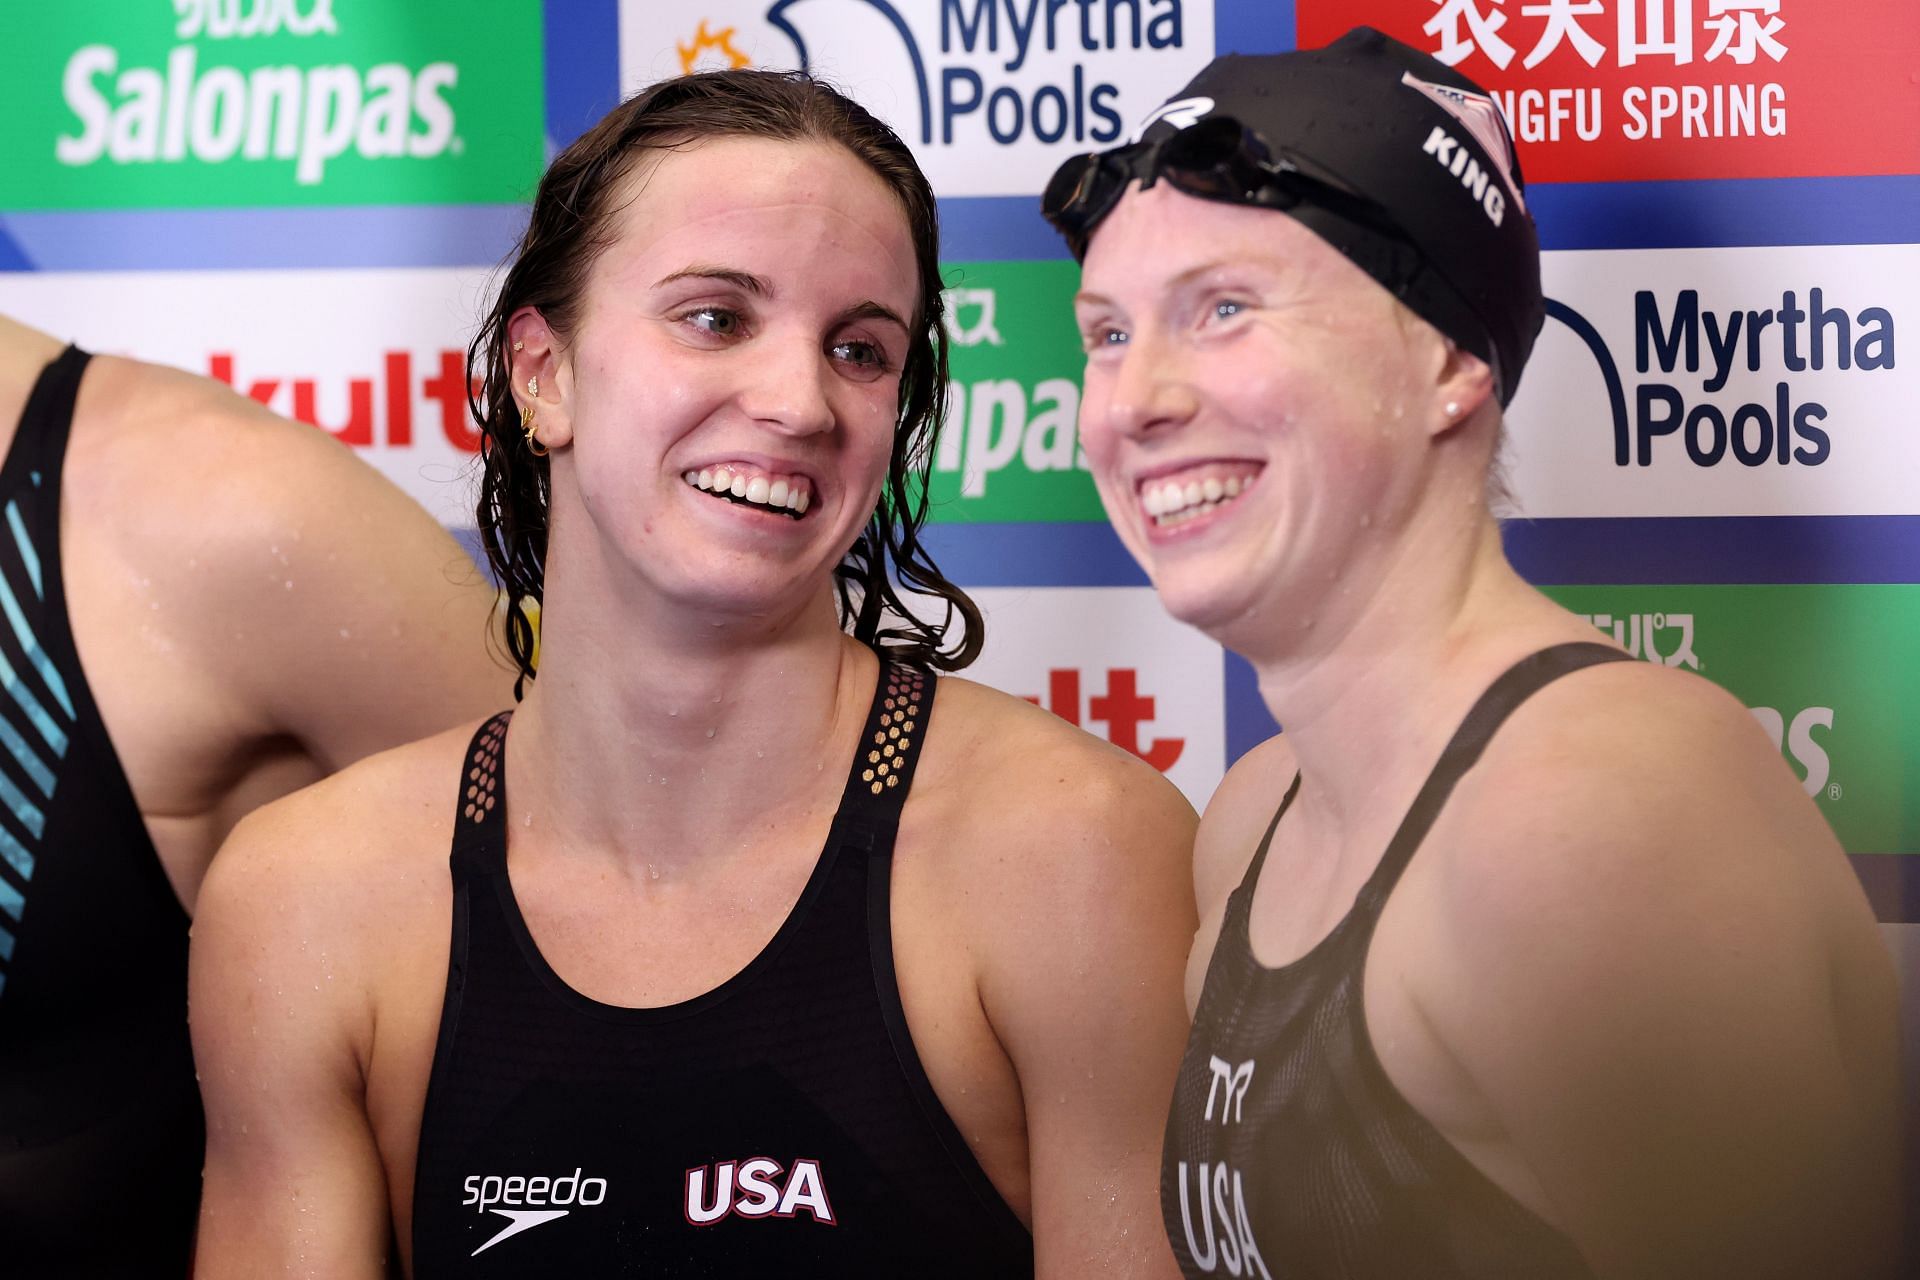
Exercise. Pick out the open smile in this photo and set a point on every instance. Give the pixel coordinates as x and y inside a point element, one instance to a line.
<point>1172,500</point>
<point>748,486</point>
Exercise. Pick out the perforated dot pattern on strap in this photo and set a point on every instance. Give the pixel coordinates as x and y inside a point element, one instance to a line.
<point>483,771</point>
<point>898,715</point>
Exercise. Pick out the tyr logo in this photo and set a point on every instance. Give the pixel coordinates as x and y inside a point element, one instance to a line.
<point>1236,1078</point>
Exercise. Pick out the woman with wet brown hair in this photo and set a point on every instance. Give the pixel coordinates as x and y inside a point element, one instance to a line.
<point>786,953</point>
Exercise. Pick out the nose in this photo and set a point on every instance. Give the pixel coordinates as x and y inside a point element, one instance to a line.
<point>1147,390</point>
<point>788,384</point>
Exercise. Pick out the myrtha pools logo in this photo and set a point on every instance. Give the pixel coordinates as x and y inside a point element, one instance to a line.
<point>1677,339</point>
<point>991,94</point>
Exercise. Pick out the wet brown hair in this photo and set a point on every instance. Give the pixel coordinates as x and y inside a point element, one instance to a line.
<point>573,222</point>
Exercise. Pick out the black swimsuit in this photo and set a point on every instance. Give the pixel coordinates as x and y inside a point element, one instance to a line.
<point>1289,1152</point>
<point>100,1127</point>
<point>779,1124</point>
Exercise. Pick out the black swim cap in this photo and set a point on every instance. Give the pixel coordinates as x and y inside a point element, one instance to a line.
<point>1395,159</point>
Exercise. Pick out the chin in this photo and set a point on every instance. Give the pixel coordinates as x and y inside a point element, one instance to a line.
<point>1206,602</point>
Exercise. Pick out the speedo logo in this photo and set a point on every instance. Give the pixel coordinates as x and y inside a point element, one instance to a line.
<point>202,109</point>
<point>528,1202</point>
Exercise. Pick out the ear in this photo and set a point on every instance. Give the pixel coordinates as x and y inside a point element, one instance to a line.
<point>535,354</point>
<point>1462,388</point>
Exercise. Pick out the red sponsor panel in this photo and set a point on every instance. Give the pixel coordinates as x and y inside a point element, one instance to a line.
<point>1626,90</point>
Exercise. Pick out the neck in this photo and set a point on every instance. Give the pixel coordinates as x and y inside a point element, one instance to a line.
<point>657,737</point>
<point>1368,702</point>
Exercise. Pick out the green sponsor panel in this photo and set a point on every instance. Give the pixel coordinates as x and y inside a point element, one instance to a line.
<point>1010,447</point>
<point>120,104</point>
<point>1830,672</point>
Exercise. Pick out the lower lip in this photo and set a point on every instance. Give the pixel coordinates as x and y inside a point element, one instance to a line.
<point>1195,526</point>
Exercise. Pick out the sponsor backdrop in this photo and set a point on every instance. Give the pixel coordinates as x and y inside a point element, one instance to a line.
<point>1714,456</point>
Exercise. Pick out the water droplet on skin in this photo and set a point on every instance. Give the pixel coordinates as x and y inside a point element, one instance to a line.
<point>709,733</point>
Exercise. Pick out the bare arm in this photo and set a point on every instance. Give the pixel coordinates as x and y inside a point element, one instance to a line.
<point>368,621</point>
<point>1084,992</point>
<point>1697,1056</point>
<point>294,1184</point>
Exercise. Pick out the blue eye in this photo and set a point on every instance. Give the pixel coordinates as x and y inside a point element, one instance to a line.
<point>1227,309</point>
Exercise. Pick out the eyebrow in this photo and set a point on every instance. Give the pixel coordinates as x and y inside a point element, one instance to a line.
<point>745,281</point>
<point>874,311</point>
<point>1184,280</point>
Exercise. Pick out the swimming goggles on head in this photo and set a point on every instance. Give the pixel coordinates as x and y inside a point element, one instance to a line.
<point>1217,159</point>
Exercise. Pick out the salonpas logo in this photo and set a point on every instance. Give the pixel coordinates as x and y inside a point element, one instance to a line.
<point>1827,671</point>
<point>223,102</point>
<point>1010,447</point>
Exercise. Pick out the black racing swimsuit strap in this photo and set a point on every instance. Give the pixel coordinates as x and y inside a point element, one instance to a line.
<point>1266,841</point>
<point>480,816</point>
<point>1520,682</point>
<point>46,422</point>
<point>889,750</point>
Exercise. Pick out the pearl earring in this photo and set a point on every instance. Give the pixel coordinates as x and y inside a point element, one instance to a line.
<point>1453,408</point>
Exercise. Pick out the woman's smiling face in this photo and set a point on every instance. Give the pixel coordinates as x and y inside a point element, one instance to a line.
<point>1252,405</point>
<point>731,388</point>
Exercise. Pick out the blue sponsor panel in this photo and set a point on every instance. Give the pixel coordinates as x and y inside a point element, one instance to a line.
<point>1590,551</point>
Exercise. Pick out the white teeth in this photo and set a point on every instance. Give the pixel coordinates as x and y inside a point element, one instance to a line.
<point>788,492</point>
<point>1173,502</point>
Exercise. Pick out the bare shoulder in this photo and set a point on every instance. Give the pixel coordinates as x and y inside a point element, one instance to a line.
<point>1629,762</point>
<point>162,441</point>
<point>1640,803</point>
<point>1029,779</point>
<point>1236,817</point>
<point>346,861</point>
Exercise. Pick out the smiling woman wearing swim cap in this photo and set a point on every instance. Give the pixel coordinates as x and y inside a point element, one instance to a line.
<point>1545,966</point>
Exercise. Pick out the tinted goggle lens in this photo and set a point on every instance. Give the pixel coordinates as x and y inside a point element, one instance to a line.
<point>1216,159</point>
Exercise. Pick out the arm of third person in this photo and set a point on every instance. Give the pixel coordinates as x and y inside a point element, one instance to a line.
<point>367,621</point>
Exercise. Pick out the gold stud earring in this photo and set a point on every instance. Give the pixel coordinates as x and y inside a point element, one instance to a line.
<point>517,346</point>
<point>533,387</point>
